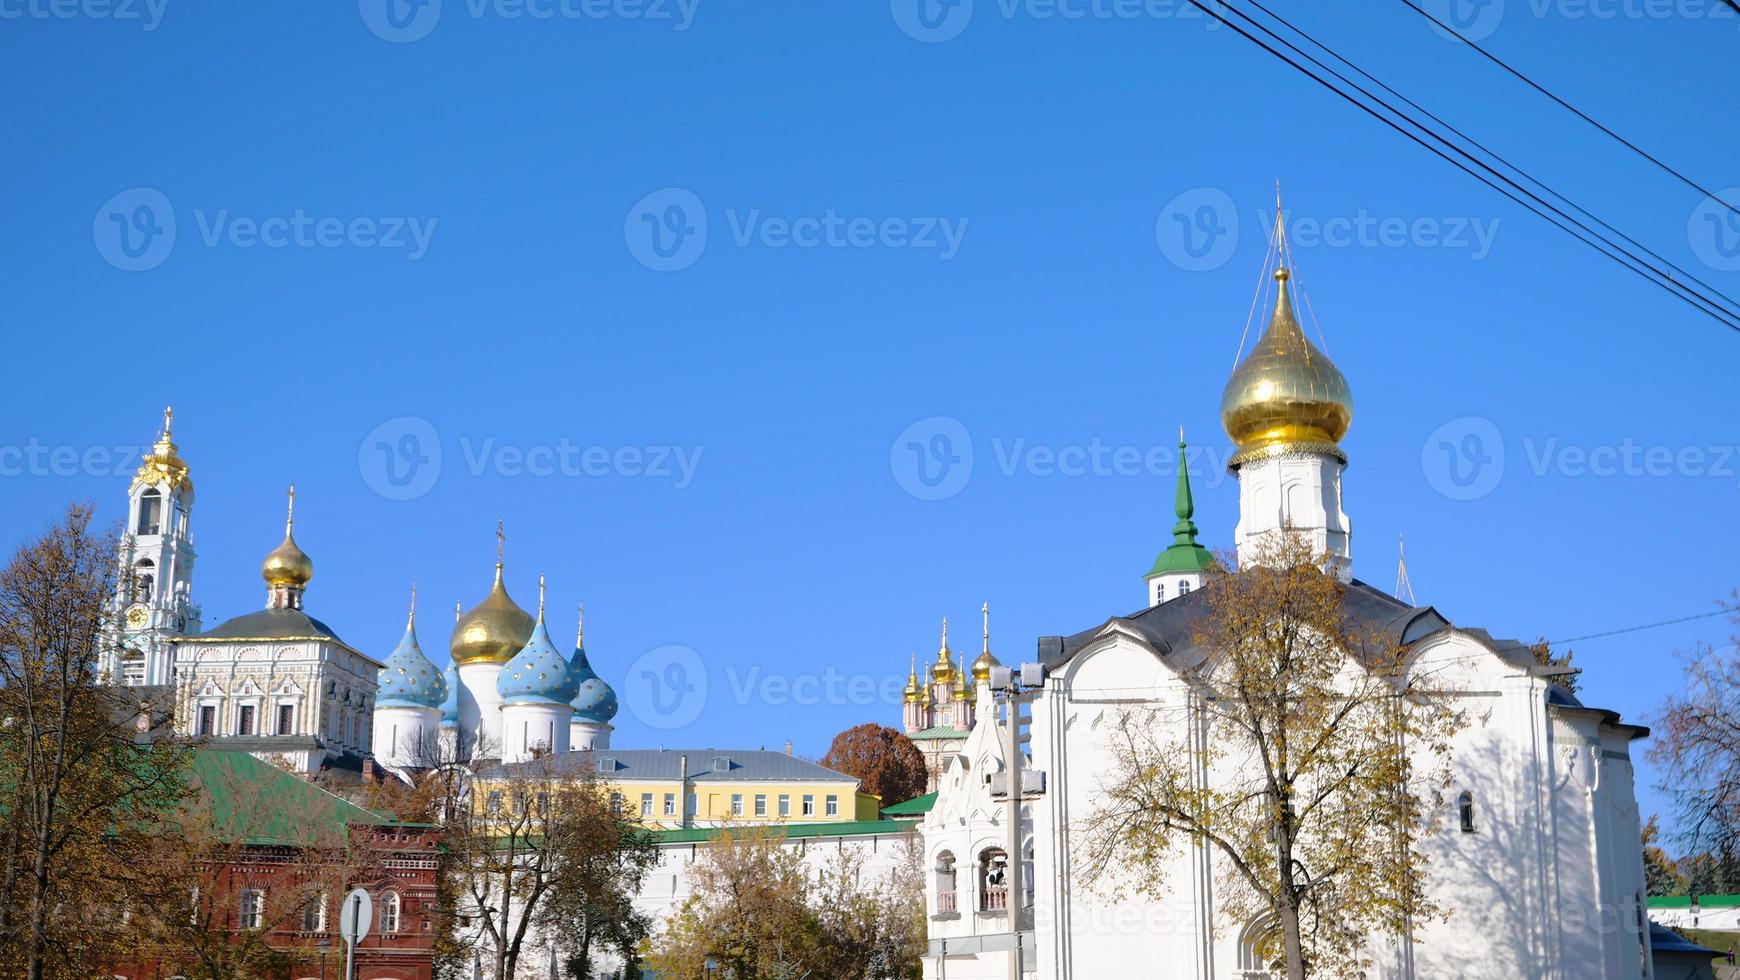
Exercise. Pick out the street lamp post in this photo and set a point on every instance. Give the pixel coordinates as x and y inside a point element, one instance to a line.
<point>1013,689</point>
<point>324,946</point>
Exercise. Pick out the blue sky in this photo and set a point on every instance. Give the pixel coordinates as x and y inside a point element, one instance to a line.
<point>458,218</point>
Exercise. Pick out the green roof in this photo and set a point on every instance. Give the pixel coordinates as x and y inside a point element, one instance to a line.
<point>1685,901</point>
<point>1185,555</point>
<point>940,731</point>
<point>915,807</point>
<point>844,828</point>
<point>255,801</point>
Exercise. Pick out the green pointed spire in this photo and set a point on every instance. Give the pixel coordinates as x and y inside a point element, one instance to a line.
<point>1185,555</point>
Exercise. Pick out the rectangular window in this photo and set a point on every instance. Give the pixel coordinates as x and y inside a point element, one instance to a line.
<point>207,719</point>
<point>253,909</point>
<point>761,804</point>
<point>646,804</point>
<point>809,805</point>
<point>670,804</point>
<point>314,914</point>
<point>617,803</point>
<point>833,805</point>
<point>286,719</point>
<point>245,720</point>
<point>737,804</point>
<point>493,805</point>
<point>784,805</point>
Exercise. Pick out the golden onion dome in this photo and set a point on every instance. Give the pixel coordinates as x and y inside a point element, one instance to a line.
<point>163,464</point>
<point>288,564</point>
<point>914,691</point>
<point>1286,395</point>
<point>982,668</point>
<point>493,631</point>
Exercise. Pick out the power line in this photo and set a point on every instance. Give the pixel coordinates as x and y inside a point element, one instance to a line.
<point>1580,114</point>
<point>1729,307</point>
<point>1646,626</point>
<point>1568,224</point>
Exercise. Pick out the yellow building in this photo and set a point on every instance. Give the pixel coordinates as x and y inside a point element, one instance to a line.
<point>666,789</point>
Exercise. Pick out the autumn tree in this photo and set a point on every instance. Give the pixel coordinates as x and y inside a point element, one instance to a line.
<point>884,761</point>
<point>85,767</point>
<point>543,843</point>
<point>757,913</point>
<point>1697,747</point>
<point>1661,874</point>
<point>1326,754</point>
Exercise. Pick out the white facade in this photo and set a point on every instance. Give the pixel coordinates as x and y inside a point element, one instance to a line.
<point>965,849</point>
<point>529,730</point>
<point>153,603</point>
<point>405,737</point>
<point>299,696</point>
<point>584,736</point>
<point>480,706</point>
<point>1547,884</point>
<point>1298,491</point>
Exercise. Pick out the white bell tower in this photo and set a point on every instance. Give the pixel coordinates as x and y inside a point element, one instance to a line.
<point>153,603</point>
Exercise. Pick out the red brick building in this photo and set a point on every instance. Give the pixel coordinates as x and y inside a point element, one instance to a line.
<point>287,855</point>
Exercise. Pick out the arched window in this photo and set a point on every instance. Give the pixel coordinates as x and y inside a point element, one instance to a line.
<point>993,880</point>
<point>1258,952</point>
<point>1183,586</point>
<point>945,884</point>
<point>1465,807</point>
<point>252,912</point>
<point>144,580</point>
<point>150,513</point>
<point>1159,592</point>
<point>390,912</point>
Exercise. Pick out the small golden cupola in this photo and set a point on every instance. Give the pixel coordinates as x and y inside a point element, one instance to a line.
<point>1286,395</point>
<point>982,666</point>
<point>287,568</point>
<point>163,465</point>
<point>914,690</point>
<point>943,671</point>
<point>495,629</point>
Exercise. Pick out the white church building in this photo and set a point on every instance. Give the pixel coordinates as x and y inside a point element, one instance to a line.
<point>1535,856</point>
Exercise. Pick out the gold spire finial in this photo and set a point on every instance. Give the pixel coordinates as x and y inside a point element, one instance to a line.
<point>986,609</point>
<point>168,420</point>
<point>290,510</point>
<point>500,541</point>
<point>1282,275</point>
<point>458,610</point>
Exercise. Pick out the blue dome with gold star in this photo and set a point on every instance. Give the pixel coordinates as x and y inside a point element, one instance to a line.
<point>538,674</point>
<point>593,700</point>
<point>409,680</point>
<point>450,704</point>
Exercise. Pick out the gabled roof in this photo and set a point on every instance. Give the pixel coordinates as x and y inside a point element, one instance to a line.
<point>918,806</point>
<point>741,765</point>
<point>257,802</point>
<point>1171,626</point>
